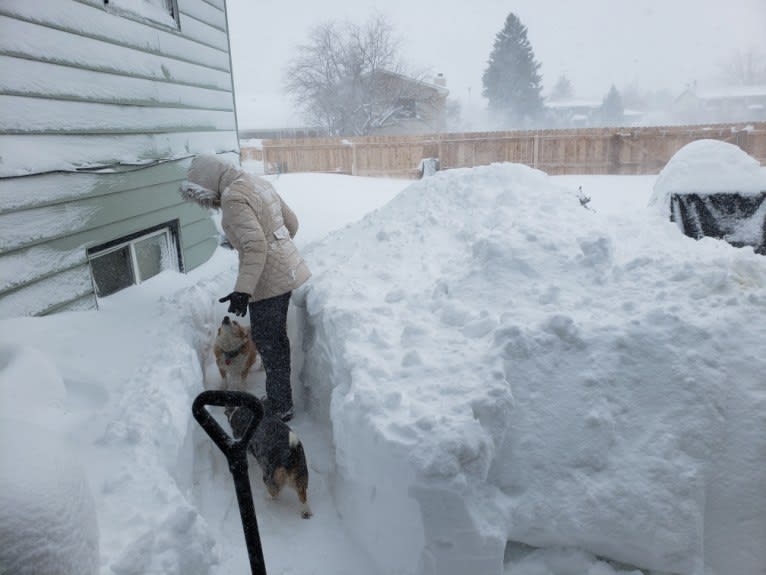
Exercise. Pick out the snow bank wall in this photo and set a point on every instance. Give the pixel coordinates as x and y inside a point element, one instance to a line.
<point>499,363</point>
<point>47,513</point>
<point>48,509</point>
<point>408,523</point>
<point>155,437</point>
<point>115,409</point>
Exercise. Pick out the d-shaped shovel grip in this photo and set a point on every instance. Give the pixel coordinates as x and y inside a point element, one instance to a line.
<point>223,440</point>
<point>236,455</point>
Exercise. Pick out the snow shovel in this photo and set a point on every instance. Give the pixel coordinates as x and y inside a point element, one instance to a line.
<point>236,455</point>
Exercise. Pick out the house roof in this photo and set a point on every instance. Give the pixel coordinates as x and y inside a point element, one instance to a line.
<point>441,90</point>
<point>574,104</point>
<point>726,92</point>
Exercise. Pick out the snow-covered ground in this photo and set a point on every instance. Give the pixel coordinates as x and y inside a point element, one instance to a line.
<point>490,378</point>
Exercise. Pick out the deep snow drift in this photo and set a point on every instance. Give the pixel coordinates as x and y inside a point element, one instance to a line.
<point>500,364</point>
<point>48,525</point>
<point>484,360</point>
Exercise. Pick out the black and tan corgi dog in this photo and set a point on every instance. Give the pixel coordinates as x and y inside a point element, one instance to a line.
<point>278,451</point>
<point>235,354</point>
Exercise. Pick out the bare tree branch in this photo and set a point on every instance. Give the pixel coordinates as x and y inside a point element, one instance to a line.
<point>349,79</point>
<point>745,68</point>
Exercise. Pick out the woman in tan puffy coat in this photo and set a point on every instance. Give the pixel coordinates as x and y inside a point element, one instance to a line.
<point>260,226</point>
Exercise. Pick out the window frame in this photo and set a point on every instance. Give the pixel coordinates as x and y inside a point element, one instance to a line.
<point>167,229</point>
<point>170,5</point>
<point>408,107</point>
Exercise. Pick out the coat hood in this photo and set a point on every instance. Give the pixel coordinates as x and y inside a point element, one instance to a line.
<point>208,176</point>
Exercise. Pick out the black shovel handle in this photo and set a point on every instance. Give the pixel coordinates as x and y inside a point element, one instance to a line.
<point>236,455</point>
<point>223,440</point>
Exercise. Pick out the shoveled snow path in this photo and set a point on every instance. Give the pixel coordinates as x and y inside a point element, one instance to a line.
<point>322,544</point>
<point>291,544</point>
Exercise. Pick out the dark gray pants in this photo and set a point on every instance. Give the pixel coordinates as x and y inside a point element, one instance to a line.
<point>268,326</point>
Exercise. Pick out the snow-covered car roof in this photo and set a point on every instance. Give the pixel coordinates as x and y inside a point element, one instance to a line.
<point>707,167</point>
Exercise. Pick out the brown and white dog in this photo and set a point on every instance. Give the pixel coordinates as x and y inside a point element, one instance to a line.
<point>235,354</point>
<point>277,449</point>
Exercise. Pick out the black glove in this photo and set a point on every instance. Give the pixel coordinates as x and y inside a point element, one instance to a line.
<point>237,302</point>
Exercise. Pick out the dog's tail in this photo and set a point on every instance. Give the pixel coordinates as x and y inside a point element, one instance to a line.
<point>297,458</point>
<point>297,462</point>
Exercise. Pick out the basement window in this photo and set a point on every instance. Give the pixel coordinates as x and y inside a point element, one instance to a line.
<point>134,259</point>
<point>157,11</point>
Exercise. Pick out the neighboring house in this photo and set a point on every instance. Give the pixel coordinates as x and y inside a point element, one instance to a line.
<point>732,104</point>
<point>633,117</point>
<point>419,107</point>
<point>582,113</point>
<point>281,133</point>
<point>102,105</point>
<point>573,113</point>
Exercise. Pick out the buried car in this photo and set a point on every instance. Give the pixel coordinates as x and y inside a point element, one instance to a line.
<point>713,188</point>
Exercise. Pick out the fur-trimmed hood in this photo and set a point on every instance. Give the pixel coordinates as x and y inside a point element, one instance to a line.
<point>208,176</point>
<point>256,221</point>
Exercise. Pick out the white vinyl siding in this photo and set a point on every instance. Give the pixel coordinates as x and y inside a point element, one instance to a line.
<point>23,77</point>
<point>24,115</point>
<point>98,24</point>
<point>40,42</point>
<point>105,89</point>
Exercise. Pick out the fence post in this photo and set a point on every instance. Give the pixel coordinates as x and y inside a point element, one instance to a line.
<point>613,153</point>
<point>743,141</point>
<point>353,158</point>
<point>536,150</point>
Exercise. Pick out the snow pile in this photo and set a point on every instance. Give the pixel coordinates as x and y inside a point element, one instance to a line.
<point>500,365</point>
<point>47,513</point>
<point>707,167</point>
<point>512,383</point>
<point>151,431</point>
<point>132,371</point>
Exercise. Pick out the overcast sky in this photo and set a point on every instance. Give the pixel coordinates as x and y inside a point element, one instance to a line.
<point>655,44</point>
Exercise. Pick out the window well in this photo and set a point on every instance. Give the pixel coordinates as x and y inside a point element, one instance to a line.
<point>133,259</point>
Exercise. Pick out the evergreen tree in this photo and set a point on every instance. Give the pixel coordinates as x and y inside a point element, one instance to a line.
<point>563,90</point>
<point>634,97</point>
<point>512,80</point>
<point>612,111</point>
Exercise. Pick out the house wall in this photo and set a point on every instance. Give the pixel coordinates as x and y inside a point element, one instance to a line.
<point>84,86</point>
<point>430,106</point>
<point>743,104</point>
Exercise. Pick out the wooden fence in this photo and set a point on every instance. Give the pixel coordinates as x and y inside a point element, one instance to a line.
<point>640,150</point>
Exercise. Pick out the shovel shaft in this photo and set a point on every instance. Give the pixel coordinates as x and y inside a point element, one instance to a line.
<point>238,467</point>
<point>236,455</point>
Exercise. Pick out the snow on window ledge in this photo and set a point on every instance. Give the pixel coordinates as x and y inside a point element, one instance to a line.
<point>156,11</point>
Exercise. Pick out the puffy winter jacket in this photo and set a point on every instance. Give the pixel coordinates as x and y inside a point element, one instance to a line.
<point>257,222</point>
